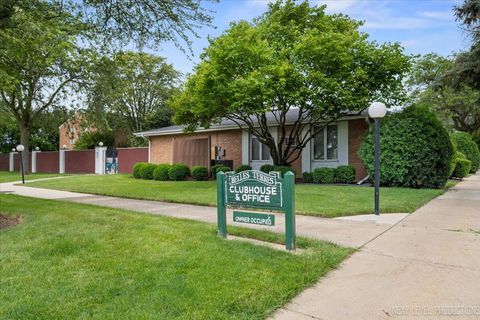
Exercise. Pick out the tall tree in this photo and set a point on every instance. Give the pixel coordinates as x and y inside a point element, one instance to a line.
<point>467,64</point>
<point>293,57</point>
<point>431,83</point>
<point>39,61</point>
<point>135,87</point>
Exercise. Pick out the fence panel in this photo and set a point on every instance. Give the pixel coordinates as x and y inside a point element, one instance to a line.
<point>127,157</point>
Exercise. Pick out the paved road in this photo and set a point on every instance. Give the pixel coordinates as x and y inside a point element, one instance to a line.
<point>352,233</point>
<point>425,267</point>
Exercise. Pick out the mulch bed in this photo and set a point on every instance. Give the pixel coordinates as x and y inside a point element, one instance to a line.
<point>6,221</point>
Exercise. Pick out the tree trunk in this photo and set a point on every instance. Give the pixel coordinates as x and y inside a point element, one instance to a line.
<point>24,140</point>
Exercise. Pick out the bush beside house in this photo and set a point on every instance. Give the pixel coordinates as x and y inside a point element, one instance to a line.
<point>161,172</point>
<point>465,144</point>
<point>324,175</point>
<point>178,172</point>
<point>199,173</point>
<point>416,150</point>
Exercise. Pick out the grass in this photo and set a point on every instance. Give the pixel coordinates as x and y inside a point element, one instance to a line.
<point>71,261</point>
<point>6,176</point>
<point>318,200</point>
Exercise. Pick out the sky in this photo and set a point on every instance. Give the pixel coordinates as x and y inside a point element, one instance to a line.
<point>421,26</point>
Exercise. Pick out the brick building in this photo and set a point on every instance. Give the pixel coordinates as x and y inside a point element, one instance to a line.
<point>336,145</point>
<point>70,131</point>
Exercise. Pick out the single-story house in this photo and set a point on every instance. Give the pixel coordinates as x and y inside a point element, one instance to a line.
<point>338,144</point>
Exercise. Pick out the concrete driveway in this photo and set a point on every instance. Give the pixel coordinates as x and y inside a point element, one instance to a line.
<point>425,267</point>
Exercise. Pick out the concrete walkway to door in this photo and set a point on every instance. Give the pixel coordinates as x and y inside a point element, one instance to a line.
<point>351,233</point>
<point>425,267</point>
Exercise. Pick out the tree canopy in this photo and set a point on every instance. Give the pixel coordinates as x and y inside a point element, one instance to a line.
<point>431,83</point>
<point>295,56</point>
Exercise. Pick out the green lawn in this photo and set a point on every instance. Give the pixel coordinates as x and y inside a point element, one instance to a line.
<point>71,261</point>
<point>6,176</point>
<point>326,201</point>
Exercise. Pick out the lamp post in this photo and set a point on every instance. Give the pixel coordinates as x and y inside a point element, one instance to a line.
<point>377,111</point>
<point>20,149</point>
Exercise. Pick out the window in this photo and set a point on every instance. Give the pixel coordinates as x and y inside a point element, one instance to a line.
<point>259,151</point>
<point>325,143</point>
<point>72,141</point>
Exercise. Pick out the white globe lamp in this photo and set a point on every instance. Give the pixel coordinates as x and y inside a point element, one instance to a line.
<point>377,110</point>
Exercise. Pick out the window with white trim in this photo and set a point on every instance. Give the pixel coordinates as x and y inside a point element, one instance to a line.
<point>258,150</point>
<point>325,143</point>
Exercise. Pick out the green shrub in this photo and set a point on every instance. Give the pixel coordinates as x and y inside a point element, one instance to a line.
<point>283,170</point>
<point>199,173</point>
<point>416,150</point>
<point>345,174</point>
<point>267,168</point>
<point>462,168</point>
<point>224,169</point>
<point>137,168</point>
<point>214,169</point>
<point>146,171</point>
<point>161,172</point>
<point>178,172</point>
<point>307,177</point>
<point>465,144</point>
<point>243,167</point>
<point>324,175</point>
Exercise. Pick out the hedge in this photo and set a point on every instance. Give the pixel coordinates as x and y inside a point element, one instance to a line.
<point>267,168</point>
<point>345,174</point>
<point>465,144</point>
<point>243,167</point>
<point>307,177</point>
<point>214,168</point>
<point>146,171</point>
<point>161,172</point>
<point>199,173</point>
<point>178,172</point>
<point>462,168</point>
<point>137,168</point>
<point>224,169</point>
<point>324,175</point>
<point>416,150</point>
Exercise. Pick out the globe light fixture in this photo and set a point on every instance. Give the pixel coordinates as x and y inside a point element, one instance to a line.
<point>64,146</point>
<point>377,111</point>
<point>37,148</point>
<point>100,144</point>
<point>20,149</point>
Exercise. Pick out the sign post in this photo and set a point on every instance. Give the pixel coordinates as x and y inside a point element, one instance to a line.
<point>256,189</point>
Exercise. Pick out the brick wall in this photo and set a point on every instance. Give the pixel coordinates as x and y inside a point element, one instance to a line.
<point>4,162</point>
<point>127,157</point>
<point>48,161</point>
<point>356,131</point>
<point>81,161</point>
<point>230,140</point>
<point>16,161</point>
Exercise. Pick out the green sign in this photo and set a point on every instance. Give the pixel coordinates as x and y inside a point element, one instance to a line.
<point>254,218</point>
<point>253,189</point>
<point>256,189</point>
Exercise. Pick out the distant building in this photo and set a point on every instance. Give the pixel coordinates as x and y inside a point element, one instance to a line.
<point>71,130</point>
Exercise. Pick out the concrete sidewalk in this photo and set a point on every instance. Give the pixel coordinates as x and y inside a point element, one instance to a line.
<point>426,267</point>
<point>351,233</point>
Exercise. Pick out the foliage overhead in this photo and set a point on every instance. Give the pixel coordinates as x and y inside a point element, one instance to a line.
<point>293,57</point>
<point>142,22</point>
<point>431,84</point>
<point>466,63</point>
<point>416,150</point>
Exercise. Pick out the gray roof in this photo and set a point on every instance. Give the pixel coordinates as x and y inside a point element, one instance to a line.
<point>226,124</point>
